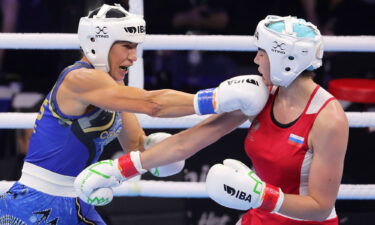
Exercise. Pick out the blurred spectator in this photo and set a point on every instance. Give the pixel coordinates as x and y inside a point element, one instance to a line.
<point>36,68</point>
<point>6,95</point>
<point>344,17</point>
<point>341,17</point>
<point>11,164</point>
<point>9,13</point>
<point>201,17</point>
<point>192,69</point>
<point>188,70</point>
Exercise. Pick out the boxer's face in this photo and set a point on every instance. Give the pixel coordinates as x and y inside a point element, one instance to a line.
<point>263,62</point>
<point>121,56</point>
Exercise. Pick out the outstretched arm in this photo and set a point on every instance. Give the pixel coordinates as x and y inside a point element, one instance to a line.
<point>188,142</point>
<point>84,87</point>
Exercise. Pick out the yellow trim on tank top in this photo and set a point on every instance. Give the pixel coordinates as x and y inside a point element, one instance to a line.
<point>101,128</point>
<point>54,114</point>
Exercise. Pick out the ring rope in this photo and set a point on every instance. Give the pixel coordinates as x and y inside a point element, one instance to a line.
<point>174,189</point>
<point>179,42</point>
<point>26,120</point>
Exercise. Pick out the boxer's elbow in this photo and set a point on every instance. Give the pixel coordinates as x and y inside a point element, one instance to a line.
<point>154,104</point>
<point>323,214</point>
<point>320,214</point>
<point>153,109</point>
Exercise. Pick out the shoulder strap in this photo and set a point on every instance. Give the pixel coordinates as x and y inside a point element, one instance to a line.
<point>320,99</point>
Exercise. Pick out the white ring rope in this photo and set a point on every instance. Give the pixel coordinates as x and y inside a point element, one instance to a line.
<point>179,42</point>
<point>173,189</point>
<point>26,120</point>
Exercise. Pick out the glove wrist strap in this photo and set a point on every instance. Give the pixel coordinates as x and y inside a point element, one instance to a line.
<point>272,199</point>
<point>204,102</point>
<point>130,165</point>
<point>279,202</point>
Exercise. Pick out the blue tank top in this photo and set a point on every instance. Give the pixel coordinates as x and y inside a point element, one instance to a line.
<point>67,144</point>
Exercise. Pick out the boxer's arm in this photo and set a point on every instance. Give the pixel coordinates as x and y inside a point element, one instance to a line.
<point>186,143</point>
<point>164,170</point>
<point>84,87</point>
<point>132,135</point>
<point>328,137</point>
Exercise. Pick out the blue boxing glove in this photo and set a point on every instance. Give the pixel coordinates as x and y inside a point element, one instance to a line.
<point>247,93</point>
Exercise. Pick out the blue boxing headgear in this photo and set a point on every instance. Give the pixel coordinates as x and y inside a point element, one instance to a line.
<point>292,45</point>
<point>104,26</point>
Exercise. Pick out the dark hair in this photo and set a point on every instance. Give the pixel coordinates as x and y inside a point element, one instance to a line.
<point>307,73</point>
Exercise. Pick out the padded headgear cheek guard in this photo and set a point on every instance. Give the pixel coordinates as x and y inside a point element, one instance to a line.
<point>97,33</point>
<point>288,53</point>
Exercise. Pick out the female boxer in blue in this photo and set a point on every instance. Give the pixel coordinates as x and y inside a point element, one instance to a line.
<point>88,107</point>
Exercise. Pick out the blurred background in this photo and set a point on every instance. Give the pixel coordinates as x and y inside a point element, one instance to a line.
<point>27,75</point>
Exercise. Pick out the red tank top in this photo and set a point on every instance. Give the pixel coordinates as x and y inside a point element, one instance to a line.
<point>281,155</point>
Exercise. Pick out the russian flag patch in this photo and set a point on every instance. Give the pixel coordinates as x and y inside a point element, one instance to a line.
<point>295,140</point>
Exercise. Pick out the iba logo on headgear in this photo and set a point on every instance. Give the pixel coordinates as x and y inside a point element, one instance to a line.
<point>237,193</point>
<point>133,30</point>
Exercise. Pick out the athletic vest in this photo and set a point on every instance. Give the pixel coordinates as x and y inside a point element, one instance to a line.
<point>67,144</point>
<point>281,155</point>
